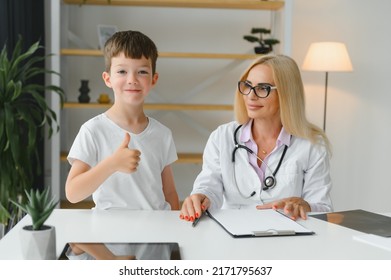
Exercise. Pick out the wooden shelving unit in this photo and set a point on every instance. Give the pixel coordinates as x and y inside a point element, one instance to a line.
<point>219,4</point>
<point>155,106</point>
<point>90,52</point>
<point>182,157</point>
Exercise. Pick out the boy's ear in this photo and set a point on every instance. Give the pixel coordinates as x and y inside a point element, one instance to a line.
<point>106,79</point>
<point>155,78</point>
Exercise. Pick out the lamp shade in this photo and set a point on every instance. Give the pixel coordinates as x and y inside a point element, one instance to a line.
<point>327,57</point>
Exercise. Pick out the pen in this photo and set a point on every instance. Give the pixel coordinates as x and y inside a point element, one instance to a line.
<point>202,212</point>
<point>197,220</point>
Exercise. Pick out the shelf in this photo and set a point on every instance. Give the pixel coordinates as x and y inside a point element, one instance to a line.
<point>91,52</point>
<point>85,204</point>
<point>189,158</point>
<point>155,106</point>
<point>182,157</point>
<point>220,4</point>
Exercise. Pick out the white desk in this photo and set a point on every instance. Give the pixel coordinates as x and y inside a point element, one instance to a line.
<point>206,241</point>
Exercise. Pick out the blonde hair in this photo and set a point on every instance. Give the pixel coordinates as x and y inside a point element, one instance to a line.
<point>287,78</point>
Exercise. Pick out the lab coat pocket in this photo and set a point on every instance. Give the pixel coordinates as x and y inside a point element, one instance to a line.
<point>289,182</point>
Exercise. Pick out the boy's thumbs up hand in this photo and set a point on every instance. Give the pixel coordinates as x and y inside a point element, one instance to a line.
<point>126,160</point>
<point>126,141</point>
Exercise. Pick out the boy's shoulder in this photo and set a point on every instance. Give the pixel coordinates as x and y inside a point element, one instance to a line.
<point>95,121</point>
<point>156,125</point>
<point>102,123</point>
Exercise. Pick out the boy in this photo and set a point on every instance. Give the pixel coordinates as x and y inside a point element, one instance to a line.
<point>122,157</point>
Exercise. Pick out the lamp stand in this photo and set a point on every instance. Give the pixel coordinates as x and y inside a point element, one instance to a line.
<point>325,102</point>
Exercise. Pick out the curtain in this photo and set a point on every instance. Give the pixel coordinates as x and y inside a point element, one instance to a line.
<point>25,18</point>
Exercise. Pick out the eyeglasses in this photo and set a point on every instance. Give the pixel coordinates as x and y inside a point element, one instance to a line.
<point>260,90</point>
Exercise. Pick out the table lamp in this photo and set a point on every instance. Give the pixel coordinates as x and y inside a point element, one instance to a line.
<point>327,57</point>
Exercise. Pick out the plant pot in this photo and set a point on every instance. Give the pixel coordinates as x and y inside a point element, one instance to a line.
<point>38,244</point>
<point>262,49</point>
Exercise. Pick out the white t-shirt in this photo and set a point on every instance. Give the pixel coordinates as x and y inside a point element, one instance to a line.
<point>100,137</point>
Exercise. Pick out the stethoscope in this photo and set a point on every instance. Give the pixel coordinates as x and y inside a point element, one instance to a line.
<point>270,181</point>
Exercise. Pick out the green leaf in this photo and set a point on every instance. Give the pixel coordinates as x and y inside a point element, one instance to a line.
<point>21,206</point>
<point>11,132</point>
<point>271,41</point>
<point>4,214</point>
<point>250,38</point>
<point>260,30</point>
<point>2,125</point>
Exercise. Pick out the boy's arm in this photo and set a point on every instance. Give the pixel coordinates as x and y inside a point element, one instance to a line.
<point>97,250</point>
<point>83,180</point>
<point>169,189</point>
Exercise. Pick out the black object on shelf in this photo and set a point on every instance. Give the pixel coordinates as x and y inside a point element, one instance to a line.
<point>84,90</point>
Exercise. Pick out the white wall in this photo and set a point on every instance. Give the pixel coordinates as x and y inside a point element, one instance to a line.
<point>358,120</point>
<point>358,115</point>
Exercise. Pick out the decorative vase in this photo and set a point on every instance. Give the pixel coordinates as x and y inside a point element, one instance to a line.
<point>84,90</point>
<point>38,244</point>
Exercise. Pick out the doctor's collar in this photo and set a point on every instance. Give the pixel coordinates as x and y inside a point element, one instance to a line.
<point>284,138</point>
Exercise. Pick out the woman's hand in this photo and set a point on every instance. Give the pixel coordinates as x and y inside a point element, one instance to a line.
<point>294,207</point>
<point>193,206</point>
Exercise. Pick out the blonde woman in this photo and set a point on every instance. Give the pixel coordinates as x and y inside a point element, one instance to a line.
<point>271,156</point>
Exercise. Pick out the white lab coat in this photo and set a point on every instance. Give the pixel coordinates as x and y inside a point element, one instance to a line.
<point>304,173</point>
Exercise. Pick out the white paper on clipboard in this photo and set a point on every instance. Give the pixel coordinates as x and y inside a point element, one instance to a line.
<point>257,223</point>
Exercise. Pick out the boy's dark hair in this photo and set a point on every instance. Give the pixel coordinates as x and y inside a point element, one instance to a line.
<point>133,44</point>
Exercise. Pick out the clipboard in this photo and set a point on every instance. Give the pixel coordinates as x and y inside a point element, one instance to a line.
<point>241,223</point>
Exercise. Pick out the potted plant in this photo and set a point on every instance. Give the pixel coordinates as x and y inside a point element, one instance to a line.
<point>24,114</point>
<point>265,45</point>
<point>38,239</point>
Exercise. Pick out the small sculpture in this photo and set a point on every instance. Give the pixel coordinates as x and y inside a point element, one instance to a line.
<point>84,90</point>
<point>104,98</point>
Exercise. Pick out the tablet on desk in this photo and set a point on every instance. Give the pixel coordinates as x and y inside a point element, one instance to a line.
<point>360,220</point>
<point>140,251</point>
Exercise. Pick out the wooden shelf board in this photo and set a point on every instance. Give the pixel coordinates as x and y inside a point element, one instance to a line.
<point>182,157</point>
<point>91,52</point>
<point>81,52</point>
<point>189,158</point>
<point>63,156</point>
<point>221,4</point>
<point>85,204</point>
<point>156,106</point>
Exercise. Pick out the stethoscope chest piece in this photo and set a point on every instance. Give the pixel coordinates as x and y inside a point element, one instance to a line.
<point>269,183</point>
